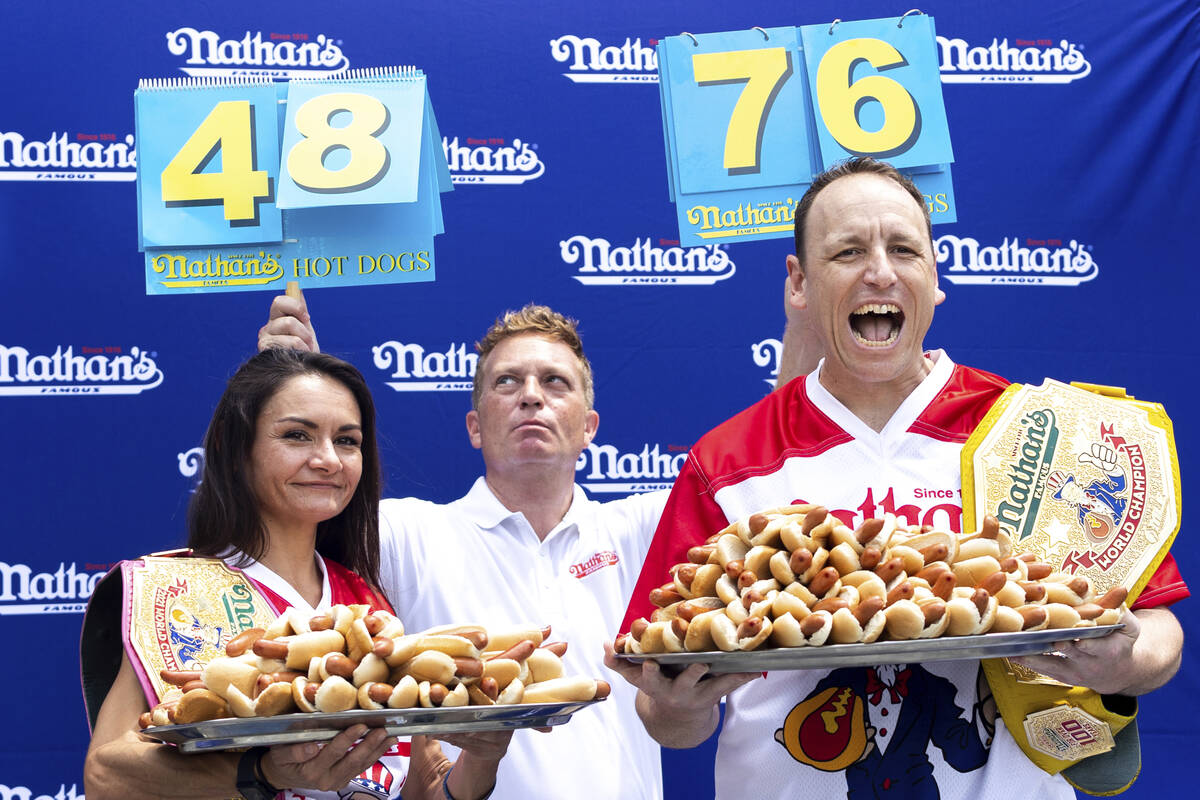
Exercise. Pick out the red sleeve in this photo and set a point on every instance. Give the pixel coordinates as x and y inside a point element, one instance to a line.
<point>1166,586</point>
<point>690,517</point>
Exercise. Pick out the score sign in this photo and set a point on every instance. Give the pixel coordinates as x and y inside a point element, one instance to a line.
<point>342,190</point>
<point>750,116</point>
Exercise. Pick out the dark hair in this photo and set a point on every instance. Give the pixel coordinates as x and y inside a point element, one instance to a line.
<point>224,511</point>
<point>862,165</point>
<point>540,321</point>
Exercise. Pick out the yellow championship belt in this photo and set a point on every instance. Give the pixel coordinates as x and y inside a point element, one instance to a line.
<point>1087,478</point>
<point>166,611</point>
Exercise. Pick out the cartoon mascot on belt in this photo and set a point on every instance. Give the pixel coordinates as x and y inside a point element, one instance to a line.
<point>876,724</point>
<point>1100,504</point>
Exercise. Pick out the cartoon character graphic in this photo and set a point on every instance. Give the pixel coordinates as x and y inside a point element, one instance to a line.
<point>1099,504</point>
<point>876,724</point>
<point>375,783</point>
<point>189,636</point>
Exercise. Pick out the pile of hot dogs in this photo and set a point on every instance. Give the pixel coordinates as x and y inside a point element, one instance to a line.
<point>796,575</point>
<point>349,658</point>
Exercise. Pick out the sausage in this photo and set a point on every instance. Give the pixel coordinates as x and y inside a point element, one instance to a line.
<point>522,649</point>
<point>269,648</point>
<point>867,609</point>
<point>868,530</point>
<point>241,643</point>
<point>179,677</point>
<point>813,518</point>
<point>825,580</point>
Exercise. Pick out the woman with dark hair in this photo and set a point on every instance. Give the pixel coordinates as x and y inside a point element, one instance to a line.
<point>289,496</point>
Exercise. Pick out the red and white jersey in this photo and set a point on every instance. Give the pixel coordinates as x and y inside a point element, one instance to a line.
<point>383,779</point>
<point>794,731</point>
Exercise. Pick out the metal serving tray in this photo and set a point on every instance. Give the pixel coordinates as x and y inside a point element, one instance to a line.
<point>912,651</point>
<point>226,734</point>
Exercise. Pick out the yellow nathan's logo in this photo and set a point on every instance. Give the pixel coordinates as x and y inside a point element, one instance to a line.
<point>742,220</point>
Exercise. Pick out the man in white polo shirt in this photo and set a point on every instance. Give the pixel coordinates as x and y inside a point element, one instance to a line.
<point>527,545</point>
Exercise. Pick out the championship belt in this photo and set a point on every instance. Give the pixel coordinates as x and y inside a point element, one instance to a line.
<point>1087,478</point>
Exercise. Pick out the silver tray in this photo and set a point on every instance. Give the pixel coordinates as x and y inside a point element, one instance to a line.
<point>226,734</point>
<point>911,651</point>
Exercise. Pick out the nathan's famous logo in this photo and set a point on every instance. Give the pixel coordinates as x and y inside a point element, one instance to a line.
<point>270,55</point>
<point>1109,500</point>
<point>716,222</point>
<point>63,591</point>
<point>25,793</point>
<point>492,160</point>
<point>601,264</point>
<point>767,354</point>
<point>93,370</point>
<point>605,468</point>
<point>601,559</point>
<point>184,640</point>
<point>1028,262</point>
<point>62,156</point>
<point>589,61</point>
<point>942,508</point>
<point>1033,454</point>
<point>1023,61</point>
<point>242,270</point>
<point>416,370</point>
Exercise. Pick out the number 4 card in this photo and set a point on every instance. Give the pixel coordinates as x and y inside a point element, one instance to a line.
<point>206,170</point>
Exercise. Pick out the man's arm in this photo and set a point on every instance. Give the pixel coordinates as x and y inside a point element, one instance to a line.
<point>1137,659</point>
<point>121,763</point>
<point>288,326</point>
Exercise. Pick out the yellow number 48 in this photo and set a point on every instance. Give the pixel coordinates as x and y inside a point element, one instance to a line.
<point>238,186</point>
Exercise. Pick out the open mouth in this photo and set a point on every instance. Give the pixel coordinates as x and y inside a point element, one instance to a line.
<point>876,324</point>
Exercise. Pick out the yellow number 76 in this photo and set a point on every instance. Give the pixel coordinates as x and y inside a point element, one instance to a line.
<point>764,72</point>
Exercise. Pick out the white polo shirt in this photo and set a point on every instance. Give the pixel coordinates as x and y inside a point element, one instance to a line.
<point>475,561</point>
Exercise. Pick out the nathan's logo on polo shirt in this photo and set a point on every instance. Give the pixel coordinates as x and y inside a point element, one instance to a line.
<point>91,370</point>
<point>491,160</point>
<point>590,61</point>
<point>767,354</point>
<point>63,156</point>
<point>1021,61</point>
<point>602,559</point>
<point>258,54</point>
<point>415,370</point>
<point>64,590</point>
<point>604,468</point>
<point>939,506</point>
<point>1021,261</point>
<point>645,263</point>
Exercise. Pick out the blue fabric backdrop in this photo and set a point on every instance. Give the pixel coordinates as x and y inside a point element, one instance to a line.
<point>1073,126</point>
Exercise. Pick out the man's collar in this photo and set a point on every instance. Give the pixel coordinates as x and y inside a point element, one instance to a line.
<point>485,510</point>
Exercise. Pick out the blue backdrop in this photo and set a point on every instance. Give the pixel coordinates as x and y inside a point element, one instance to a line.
<point>1073,126</point>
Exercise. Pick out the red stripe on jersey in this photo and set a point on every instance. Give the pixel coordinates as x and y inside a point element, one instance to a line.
<point>959,407</point>
<point>760,438</point>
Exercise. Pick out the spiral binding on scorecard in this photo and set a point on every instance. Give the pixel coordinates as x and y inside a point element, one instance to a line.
<point>202,82</point>
<point>365,74</point>
<point>223,81</point>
